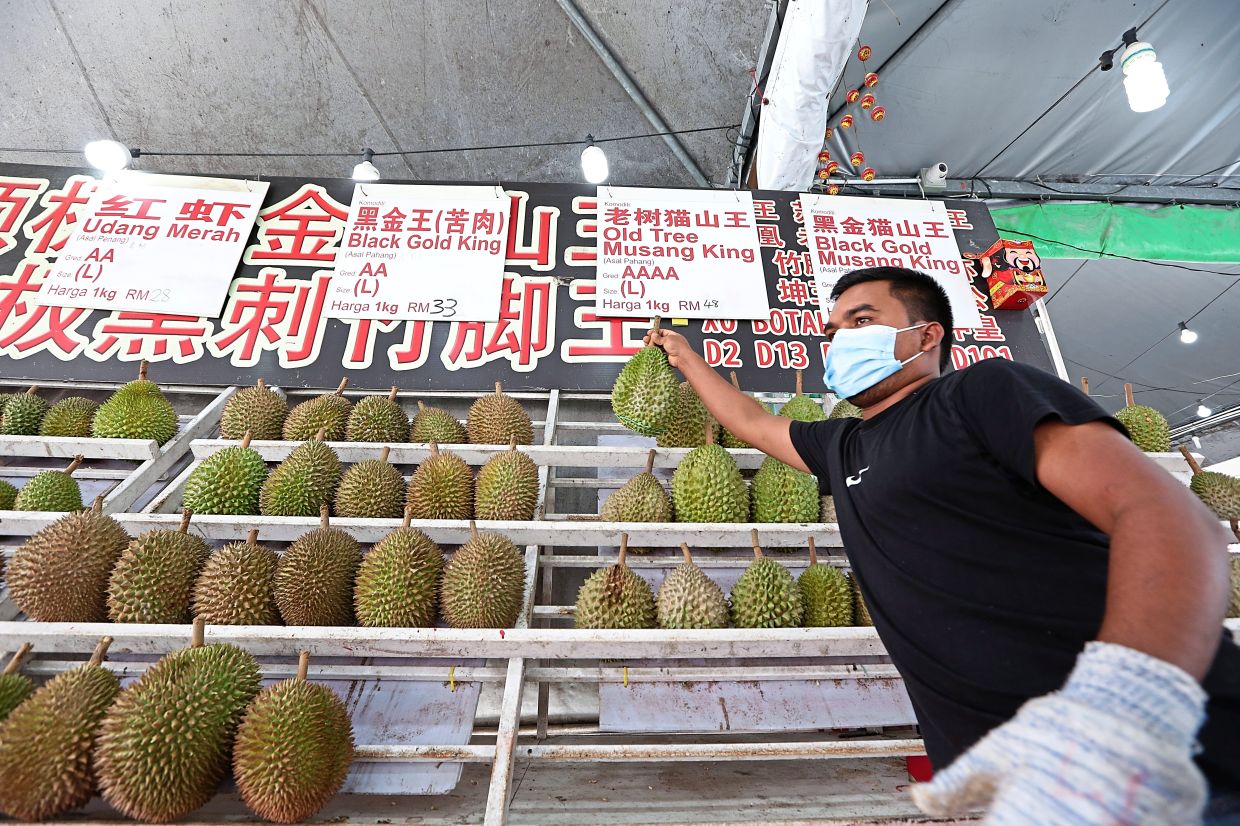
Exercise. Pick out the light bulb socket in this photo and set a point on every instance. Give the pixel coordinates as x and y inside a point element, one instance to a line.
<point>368,154</point>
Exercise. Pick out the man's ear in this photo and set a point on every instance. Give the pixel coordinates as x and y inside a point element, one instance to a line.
<point>932,335</point>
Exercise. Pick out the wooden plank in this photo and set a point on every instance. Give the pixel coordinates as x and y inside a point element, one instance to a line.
<point>66,447</point>
<point>505,745</point>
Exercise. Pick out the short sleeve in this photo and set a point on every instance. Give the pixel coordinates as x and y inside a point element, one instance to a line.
<point>812,441</point>
<point>1002,402</point>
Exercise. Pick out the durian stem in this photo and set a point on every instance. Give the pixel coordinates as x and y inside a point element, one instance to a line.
<point>392,394</point>
<point>753,537</point>
<point>245,440</point>
<point>1085,384</point>
<point>97,505</point>
<point>261,383</point>
<point>1188,457</point>
<point>684,551</point>
<point>321,435</point>
<point>624,548</point>
<point>344,382</point>
<point>303,666</point>
<point>251,538</point>
<point>512,443</point>
<point>34,388</point>
<point>383,454</point>
<point>186,514</point>
<point>499,390</point>
<point>813,552</point>
<point>657,321</point>
<point>101,651</point>
<point>434,449</point>
<point>650,460</point>
<point>77,461</point>
<point>1128,397</point>
<point>1235,528</point>
<point>324,516</point>
<point>473,531</point>
<point>735,381</point>
<point>800,383</point>
<point>16,661</point>
<point>710,429</point>
<point>408,516</point>
<point>199,634</point>
<point>421,406</point>
<point>142,368</point>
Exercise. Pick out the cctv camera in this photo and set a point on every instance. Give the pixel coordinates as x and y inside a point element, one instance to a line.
<point>934,177</point>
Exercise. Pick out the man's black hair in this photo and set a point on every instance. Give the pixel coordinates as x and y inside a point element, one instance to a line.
<point>920,294</point>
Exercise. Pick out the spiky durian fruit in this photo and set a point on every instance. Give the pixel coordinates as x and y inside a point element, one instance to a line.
<point>70,417</point>
<point>645,393</point>
<point>1218,491</point>
<point>497,419</point>
<point>708,487</point>
<point>484,583</point>
<point>398,581</point>
<point>861,611</point>
<point>615,597</point>
<point>293,749</point>
<point>21,414</point>
<point>688,598</point>
<point>686,427</point>
<point>15,688</point>
<point>303,483</point>
<point>825,595</point>
<point>8,496</point>
<point>431,424</point>
<point>51,490</point>
<point>442,487</point>
<point>228,481</point>
<point>844,409</point>
<point>641,499</point>
<point>259,410</point>
<point>800,407</point>
<point>507,486</point>
<point>154,578</point>
<point>1147,427</point>
<point>371,489</point>
<point>237,585</point>
<point>46,743</point>
<point>314,580</point>
<point>136,411</point>
<point>377,419</point>
<point>781,493</point>
<point>328,412</point>
<point>766,595</point>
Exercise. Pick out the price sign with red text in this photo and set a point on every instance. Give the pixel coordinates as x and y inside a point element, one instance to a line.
<point>421,252</point>
<point>156,243</point>
<point>847,234</point>
<point>679,253</point>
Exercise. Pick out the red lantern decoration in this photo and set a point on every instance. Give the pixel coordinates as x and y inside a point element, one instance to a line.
<point>851,95</point>
<point>867,174</point>
<point>832,167</point>
<point>871,80</point>
<point>834,189</point>
<point>878,113</point>
<point>846,122</point>
<point>830,132</point>
<point>823,174</point>
<point>867,101</point>
<point>857,158</point>
<point>824,156</point>
<point>863,54</point>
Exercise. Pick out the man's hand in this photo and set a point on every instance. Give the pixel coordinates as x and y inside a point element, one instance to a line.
<point>1113,747</point>
<point>674,344</point>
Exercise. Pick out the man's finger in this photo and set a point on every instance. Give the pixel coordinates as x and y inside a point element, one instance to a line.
<point>968,783</point>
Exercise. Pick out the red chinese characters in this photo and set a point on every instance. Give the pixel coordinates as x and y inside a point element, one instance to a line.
<point>618,338</point>
<point>17,196</point>
<point>272,312</point>
<point>133,336</point>
<point>51,227</point>
<point>538,252</point>
<point>302,230</point>
<point>28,327</point>
<point>524,333</point>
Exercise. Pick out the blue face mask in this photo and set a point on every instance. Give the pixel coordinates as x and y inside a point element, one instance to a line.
<point>861,357</point>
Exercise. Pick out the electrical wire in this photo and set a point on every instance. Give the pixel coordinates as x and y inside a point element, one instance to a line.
<point>1103,254</point>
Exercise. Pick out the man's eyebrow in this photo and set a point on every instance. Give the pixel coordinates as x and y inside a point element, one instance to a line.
<point>860,308</point>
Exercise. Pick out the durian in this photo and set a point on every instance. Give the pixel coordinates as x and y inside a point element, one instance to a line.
<point>153,581</point>
<point>496,419</point>
<point>707,487</point>
<point>1233,610</point>
<point>228,481</point>
<point>8,496</point>
<point>442,487</point>
<point>686,427</point>
<point>236,586</point>
<point>303,483</point>
<point>825,595</point>
<point>484,583</point>
<point>781,493</point>
<point>377,419</point>
<point>70,418</point>
<point>314,580</point>
<point>22,414</point>
<point>61,573</point>
<point>431,424</point>
<point>728,440</point>
<point>861,611</point>
<point>844,409</point>
<point>398,581</point>
<point>15,688</point>
<point>828,512</point>
<point>165,745</point>
<point>371,489</point>
<point>507,486</point>
<point>766,595</point>
<point>328,412</point>
<point>258,409</point>
<point>800,407</point>
<point>615,597</point>
<point>51,490</point>
<point>136,411</point>
<point>641,499</point>
<point>1147,427</point>
<point>688,598</point>
<point>1218,491</point>
<point>46,743</point>
<point>293,749</point>
<point>645,393</point>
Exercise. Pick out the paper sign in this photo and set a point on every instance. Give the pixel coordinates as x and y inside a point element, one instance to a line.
<point>681,253</point>
<point>421,252</point>
<point>849,233</point>
<point>156,243</point>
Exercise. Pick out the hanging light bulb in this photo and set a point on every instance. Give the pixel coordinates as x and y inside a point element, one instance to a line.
<point>1187,336</point>
<point>107,156</point>
<point>1144,80</point>
<point>594,162</point>
<point>366,171</point>
<point>1202,410</point>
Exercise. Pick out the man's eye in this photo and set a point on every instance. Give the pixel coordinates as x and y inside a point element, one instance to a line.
<point>861,320</point>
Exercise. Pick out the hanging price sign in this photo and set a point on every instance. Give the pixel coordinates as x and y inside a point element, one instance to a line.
<point>156,243</point>
<point>421,252</point>
<point>678,253</point>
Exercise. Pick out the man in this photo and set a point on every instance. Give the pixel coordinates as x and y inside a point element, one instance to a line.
<point>1052,598</point>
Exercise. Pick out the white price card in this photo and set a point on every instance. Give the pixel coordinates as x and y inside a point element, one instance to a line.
<point>165,244</point>
<point>847,233</point>
<point>422,252</point>
<point>680,253</point>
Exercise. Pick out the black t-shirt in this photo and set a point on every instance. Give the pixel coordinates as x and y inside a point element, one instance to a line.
<point>983,586</point>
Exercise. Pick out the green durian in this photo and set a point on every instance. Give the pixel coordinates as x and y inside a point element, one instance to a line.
<point>259,410</point>
<point>615,597</point>
<point>46,743</point>
<point>781,493</point>
<point>293,749</point>
<point>398,581</point>
<point>154,578</point>
<point>1147,428</point>
<point>688,598</point>
<point>70,417</point>
<point>497,419</point>
<point>51,490</point>
<point>136,411</point>
<point>802,408</point>
<point>22,414</point>
<point>377,419</point>
<point>303,483</point>
<point>328,412</point>
<point>165,745</point>
<point>237,585</point>
<point>825,594</point>
<point>15,688</point>
<point>484,583</point>
<point>228,481</point>
<point>1218,491</point>
<point>844,409</point>
<point>641,499</point>
<point>766,595</point>
<point>728,440</point>
<point>442,487</point>
<point>645,393</point>
<point>315,577</point>
<point>507,486</point>
<point>686,427</point>
<point>1233,610</point>
<point>371,489</point>
<point>861,611</point>
<point>431,424</point>
<point>8,496</point>
<point>707,487</point>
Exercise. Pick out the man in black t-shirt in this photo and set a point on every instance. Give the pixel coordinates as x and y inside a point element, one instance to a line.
<point>1052,598</point>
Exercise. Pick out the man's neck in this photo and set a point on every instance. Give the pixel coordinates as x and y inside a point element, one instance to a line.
<point>897,397</point>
